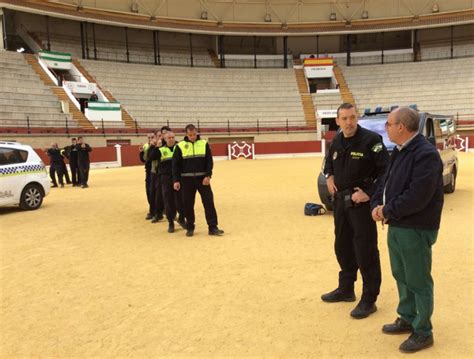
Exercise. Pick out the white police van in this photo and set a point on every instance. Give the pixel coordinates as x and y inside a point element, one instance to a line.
<point>23,177</point>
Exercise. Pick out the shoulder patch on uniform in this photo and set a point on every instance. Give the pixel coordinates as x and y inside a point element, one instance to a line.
<point>377,147</point>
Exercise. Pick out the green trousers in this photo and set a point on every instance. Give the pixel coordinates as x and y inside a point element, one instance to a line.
<point>410,259</point>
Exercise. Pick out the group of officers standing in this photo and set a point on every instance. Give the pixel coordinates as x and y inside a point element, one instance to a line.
<point>405,191</point>
<point>174,172</point>
<point>79,162</point>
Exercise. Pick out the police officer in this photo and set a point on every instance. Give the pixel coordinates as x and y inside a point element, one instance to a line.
<point>172,199</point>
<point>144,158</point>
<point>83,160</point>
<point>356,161</point>
<point>71,154</point>
<point>192,171</point>
<point>55,164</point>
<point>64,167</point>
<point>157,207</point>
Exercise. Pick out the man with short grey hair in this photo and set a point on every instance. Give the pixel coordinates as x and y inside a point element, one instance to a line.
<point>410,200</point>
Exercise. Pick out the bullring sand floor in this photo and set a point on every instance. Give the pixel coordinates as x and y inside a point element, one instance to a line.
<point>87,276</point>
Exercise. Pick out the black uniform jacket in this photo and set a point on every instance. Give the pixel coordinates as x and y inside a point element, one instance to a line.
<point>164,167</point>
<point>202,165</point>
<point>360,163</point>
<point>55,157</point>
<point>71,154</point>
<point>413,186</point>
<point>83,153</point>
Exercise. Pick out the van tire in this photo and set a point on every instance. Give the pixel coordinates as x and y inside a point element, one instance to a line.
<point>31,197</point>
<point>451,186</point>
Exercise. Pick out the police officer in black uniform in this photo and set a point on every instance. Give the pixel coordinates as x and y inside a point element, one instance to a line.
<point>144,158</point>
<point>55,164</point>
<point>172,199</point>
<point>157,206</point>
<point>71,154</point>
<point>192,171</point>
<point>356,161</point>
<point>83,160</point>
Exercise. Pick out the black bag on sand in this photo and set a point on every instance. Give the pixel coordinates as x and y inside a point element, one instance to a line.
<point>313,209</point>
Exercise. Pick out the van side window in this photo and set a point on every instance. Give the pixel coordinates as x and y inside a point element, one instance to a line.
<point>10,156</point>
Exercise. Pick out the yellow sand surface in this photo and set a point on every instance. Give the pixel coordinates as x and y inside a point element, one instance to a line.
<point>87,276</point>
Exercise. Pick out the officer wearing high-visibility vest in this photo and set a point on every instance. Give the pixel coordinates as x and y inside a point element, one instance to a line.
<point>157,206</point>
<point>192,171</point>
<point>172,199</point>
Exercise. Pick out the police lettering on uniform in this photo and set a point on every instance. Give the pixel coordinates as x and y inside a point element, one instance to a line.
<point>172,199</point>
<point>356,161</point>
<point>192,171</point>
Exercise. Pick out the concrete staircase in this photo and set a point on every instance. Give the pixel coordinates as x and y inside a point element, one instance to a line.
<point>306,99</point>
<point>126,118</point>
<point>77,115</point>
<point>345,92</point>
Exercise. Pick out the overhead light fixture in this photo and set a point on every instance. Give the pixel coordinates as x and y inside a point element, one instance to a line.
<point>220,24</point>
<point>365,14</point>
<point>268,17</point>
<point>435,8</point>
<point>203,15</point>
<point>134,7</point>
<point>332,17</point>
<point>284,26</point>
<point>348,23</point>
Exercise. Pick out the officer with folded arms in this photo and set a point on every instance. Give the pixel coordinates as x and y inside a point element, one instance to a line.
<point>355,163</point>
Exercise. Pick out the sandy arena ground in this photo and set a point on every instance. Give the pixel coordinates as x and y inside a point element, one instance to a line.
<point>87,276</point>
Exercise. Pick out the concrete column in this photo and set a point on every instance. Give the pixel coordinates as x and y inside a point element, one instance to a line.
<point>118,150</point>
<point>2,39</point>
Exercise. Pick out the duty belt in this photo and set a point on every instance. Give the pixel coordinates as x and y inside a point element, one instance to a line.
<point>193,174</point>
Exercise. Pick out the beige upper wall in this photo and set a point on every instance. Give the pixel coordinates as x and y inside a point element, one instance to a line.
<point>289,11</point>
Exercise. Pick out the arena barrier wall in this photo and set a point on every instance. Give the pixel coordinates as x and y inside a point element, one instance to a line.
<point>128,155</point>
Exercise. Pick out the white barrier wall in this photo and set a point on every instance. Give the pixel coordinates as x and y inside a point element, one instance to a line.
<point>107,111</point>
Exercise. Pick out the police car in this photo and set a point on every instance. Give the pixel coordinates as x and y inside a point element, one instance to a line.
<point>440,130</point>
<point>23,177</point>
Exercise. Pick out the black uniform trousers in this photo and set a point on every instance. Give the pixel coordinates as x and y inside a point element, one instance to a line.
<point>84,172</point>
<point>65,172</point>
<point>56,169</point>
<point>75,177</point>
<point>173,200</point>
<point>356,248</point>
<point>157,207</point>
<point>148,190</point>
<point>191,185</point>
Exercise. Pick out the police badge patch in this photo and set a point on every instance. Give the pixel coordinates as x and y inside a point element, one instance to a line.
<point>377,147</point>
<point>334,156</point>
<point>186,146</point>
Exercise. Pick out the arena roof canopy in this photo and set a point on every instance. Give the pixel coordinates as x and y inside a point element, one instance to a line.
<point>258,17</point>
